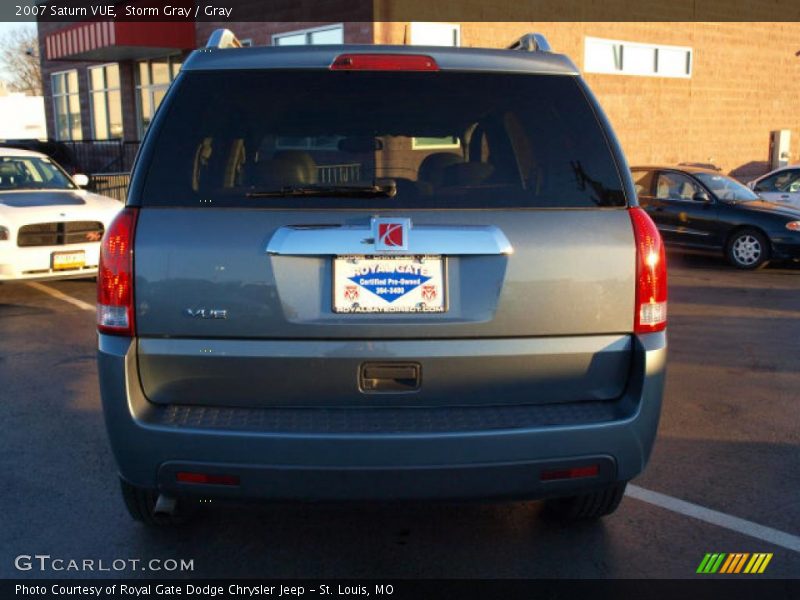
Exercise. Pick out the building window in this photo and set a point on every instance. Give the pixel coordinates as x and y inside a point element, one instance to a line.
<point>106,101</point>
<point>329,34</point>
<point>632,58</point>
<point>434,34</point>
<point>153,78</point>
<point>67,105</point>
<point>434,143</point>
<point>333,34</point>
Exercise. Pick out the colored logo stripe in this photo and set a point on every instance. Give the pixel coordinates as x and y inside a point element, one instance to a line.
<point>711,563</point>
<point>758,563</point>
<point>734,563</point>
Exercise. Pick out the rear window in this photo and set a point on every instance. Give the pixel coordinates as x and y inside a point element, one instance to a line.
<point>429,140</point>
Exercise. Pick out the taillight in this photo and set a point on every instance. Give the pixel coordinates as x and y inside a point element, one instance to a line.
<point>651,275</point>
<point>115,276</point>
<point>384,62</point>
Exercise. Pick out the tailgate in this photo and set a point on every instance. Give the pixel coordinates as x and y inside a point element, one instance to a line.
<point>547,320</point>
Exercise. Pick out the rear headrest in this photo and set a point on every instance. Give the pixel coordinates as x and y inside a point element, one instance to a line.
<point>8,169</point>
<point>286,167</point>
<point>431,170</point>
<point>468,173</point>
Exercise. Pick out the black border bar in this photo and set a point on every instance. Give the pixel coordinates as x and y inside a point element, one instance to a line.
<point>234,11</point>
<point>707,588</point>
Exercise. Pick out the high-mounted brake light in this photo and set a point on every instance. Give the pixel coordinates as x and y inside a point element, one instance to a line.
<point>384,62</point>
<point>115,276</point>
<point>651,274</point>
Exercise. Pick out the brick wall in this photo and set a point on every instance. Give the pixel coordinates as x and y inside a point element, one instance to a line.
<point>745,83</point>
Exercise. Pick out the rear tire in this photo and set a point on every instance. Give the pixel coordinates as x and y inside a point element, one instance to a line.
<point>748,249</point>
<point>141,504</point>
<point>588,506</point>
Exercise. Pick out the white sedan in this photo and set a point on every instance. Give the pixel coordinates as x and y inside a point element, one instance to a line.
<point>49,226</point>
<point>781,186</point>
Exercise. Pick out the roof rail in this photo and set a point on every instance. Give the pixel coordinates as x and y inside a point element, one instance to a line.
<point>223,38</point>
<point>531,42</point>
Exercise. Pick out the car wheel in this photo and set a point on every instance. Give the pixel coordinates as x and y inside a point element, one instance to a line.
<point>748,249</point>
<point>584,507</point>
<point>141,504</point>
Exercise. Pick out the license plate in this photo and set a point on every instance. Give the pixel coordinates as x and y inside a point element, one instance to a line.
<point>394,284</point>
<point>68,260</point>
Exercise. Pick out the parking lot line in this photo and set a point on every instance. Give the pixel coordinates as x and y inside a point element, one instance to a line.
<point>748,528</point>
<point>60,295</point>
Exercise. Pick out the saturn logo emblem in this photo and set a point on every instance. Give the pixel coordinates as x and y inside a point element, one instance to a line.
<point>391,234</point>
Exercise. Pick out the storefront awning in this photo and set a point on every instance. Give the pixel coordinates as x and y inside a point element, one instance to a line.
<point>120,40</point>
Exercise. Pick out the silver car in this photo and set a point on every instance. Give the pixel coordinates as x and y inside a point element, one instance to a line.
<point>380,273</point>
<point>781,186</point>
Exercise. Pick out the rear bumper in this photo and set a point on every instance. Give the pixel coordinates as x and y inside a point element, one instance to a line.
<point>380,453</point>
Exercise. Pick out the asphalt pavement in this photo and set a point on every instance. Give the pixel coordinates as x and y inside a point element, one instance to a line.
<point>728,442</point>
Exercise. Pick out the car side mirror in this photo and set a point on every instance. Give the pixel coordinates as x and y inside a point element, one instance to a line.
<point>701,197</point>
<point>751,185</point>
<point>81,180</point>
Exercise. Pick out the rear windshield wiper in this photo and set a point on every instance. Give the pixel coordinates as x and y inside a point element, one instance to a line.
<point>388,190</point>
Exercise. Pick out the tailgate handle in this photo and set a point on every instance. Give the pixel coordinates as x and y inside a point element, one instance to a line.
<point>337,240</point>
<point>389,377</point>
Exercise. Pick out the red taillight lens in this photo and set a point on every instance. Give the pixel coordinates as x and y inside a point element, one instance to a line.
<point>573,473</point>
<point>206,478</point>
<point>115,276</point>
<point>384,62</point>
<point>651,275</point>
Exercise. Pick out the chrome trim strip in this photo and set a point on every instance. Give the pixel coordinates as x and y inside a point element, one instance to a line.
<point>682,230</point>
<point>339,241</point>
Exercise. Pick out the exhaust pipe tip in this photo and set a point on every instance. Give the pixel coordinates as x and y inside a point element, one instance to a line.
<point>165,505</point>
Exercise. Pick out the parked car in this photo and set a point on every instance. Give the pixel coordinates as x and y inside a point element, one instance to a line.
<point>781,186</point>
<point>700,210</point>
<point>477,311</point>
<point>49,227</point>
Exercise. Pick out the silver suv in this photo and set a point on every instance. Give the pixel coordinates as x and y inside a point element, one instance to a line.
<point>380,273</point>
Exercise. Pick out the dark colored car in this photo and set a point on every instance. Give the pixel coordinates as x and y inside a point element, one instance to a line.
<point>58,151</point>
<point>700,210</point>
<point>380,273</point>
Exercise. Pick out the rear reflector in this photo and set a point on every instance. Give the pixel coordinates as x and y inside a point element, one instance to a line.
<point>383,62</point>
<point>651,275</point>
<point>206,478</point>
<point>573,473</point>
<point>115,276</point>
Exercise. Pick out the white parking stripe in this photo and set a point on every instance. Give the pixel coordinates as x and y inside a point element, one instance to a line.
<point>754,530</point>
<point>60,295</point>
